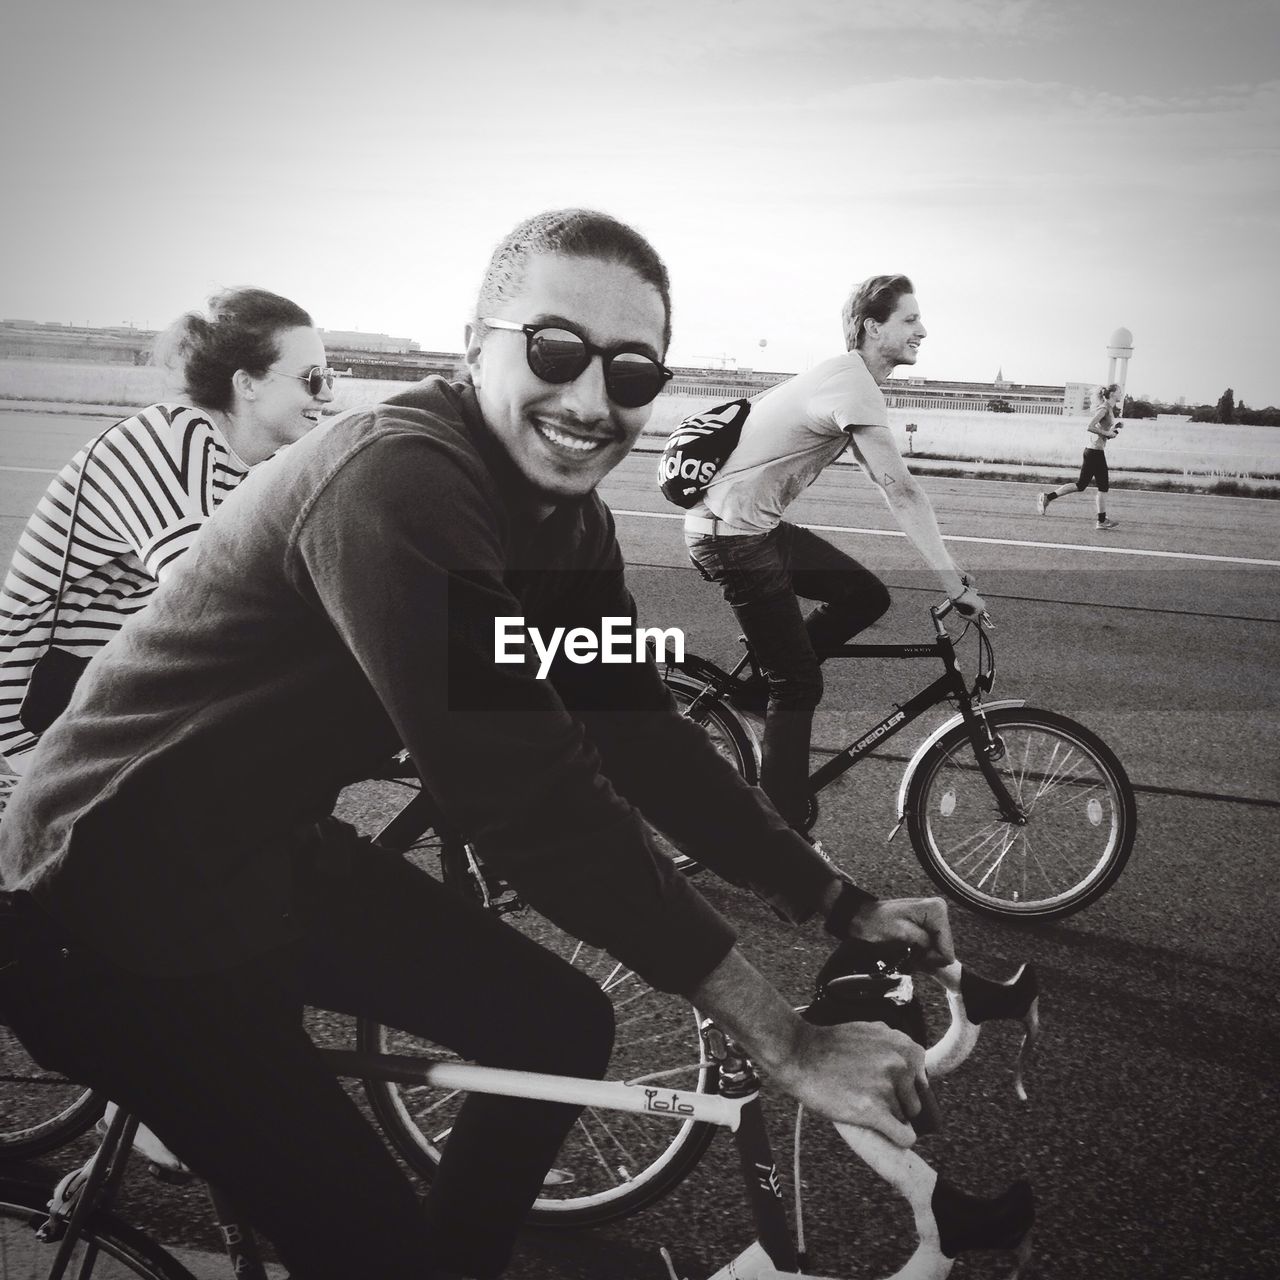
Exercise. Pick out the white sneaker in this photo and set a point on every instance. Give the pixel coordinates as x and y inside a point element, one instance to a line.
<point>1042,503</point>
<point>1107,524</point>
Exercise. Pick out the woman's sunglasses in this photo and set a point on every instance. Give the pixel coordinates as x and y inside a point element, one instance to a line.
<point>558,355</point>
<point>315,378</point>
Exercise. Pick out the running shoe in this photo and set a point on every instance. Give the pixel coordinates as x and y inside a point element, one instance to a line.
<point>1042,503</point>
<point>1107,524</point>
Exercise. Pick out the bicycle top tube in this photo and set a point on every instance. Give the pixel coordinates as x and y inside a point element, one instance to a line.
<point>640,1099</point>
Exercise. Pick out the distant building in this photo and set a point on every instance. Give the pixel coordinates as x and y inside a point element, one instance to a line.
<point>382,356</point>
<point>34,340</point>
<point>354,340</point>
<point>926,393</point>
<point>721,384</point>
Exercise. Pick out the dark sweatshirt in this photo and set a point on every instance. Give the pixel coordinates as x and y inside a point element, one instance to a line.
<point>342,603</point>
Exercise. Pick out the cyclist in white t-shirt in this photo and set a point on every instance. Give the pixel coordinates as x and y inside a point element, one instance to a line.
<point>1102,427</point>
<point>737,537</point>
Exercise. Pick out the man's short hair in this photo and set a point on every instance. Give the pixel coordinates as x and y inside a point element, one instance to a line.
<point>873,299</point>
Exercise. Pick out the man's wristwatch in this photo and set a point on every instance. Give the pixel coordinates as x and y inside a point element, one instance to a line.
<point>848,901</point>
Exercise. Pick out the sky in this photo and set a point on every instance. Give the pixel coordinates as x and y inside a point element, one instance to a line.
<point>1046,171</point>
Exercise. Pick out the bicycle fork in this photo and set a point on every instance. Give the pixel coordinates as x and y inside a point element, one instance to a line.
<point>773,1251</point>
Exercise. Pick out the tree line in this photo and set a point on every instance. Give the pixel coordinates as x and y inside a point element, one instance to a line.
<point>1227,409</point>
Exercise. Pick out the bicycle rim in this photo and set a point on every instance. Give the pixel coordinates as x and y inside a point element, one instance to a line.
<point>1080,817</point>
<point>612,1163</point>
<point>39,1110</point>
<point>122,1251</point>
<point>728,734</point>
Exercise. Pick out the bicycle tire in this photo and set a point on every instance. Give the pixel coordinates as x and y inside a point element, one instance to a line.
<point>1080,828</point>
<point>40,1110</point>
<point>728,733</point>
<point>122,1250</point>
<point>655,1032</point>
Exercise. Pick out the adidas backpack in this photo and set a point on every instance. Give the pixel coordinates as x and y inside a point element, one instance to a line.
<point>697,449</point>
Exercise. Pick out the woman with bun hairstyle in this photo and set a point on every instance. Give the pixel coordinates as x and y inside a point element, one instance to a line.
<point>253,378</point>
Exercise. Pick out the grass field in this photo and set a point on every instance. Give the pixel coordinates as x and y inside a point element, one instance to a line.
<point>1203,451</point>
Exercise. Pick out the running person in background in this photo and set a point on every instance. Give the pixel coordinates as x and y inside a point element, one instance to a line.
<point>1102,427</point>
<point>764,565</point>
<point>253,378</point>
<point>171,844</point>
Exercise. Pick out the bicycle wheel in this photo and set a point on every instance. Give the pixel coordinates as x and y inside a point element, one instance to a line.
<point>729,735</point>
<point>612,1164</point>
<point>1081,817</point>
<point>39,1110</point>
<point>122,1250</point>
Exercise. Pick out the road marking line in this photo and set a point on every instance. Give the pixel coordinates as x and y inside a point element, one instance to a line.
<point>1002,542</point>
<point>32,471</point>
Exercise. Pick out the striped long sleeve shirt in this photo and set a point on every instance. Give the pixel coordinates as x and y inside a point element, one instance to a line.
<point>151,482</point>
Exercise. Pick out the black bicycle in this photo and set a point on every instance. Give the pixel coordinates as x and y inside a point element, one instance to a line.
<point>1017,812</point>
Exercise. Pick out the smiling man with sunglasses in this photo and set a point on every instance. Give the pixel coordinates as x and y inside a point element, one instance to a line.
<point>340,605</point>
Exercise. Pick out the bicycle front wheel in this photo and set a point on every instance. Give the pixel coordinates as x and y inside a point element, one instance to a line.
<point>39,1110</point>
<point>121,1250</point>
<point>612,1164</point>
<point>1079,808</point>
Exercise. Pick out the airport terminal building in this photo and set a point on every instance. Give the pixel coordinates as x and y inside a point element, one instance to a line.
<point>383,356</point>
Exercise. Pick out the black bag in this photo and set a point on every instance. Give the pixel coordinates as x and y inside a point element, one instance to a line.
<point>53,678</point>
<point>697,449</point>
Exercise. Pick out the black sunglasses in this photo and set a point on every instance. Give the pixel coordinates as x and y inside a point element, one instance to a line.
<point>315,378</point>
<point>559,355</point>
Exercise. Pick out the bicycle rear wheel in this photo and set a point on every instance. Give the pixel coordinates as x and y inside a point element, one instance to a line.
<point>731,738</point>
<point>122,1250</point>
<point>39,1110</point>
<point>612,1164</point>
<point>1081,817</point>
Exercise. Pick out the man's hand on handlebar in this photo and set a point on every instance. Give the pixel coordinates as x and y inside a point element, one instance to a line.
<point>921,923</point>
<point>858,1073</point>
<point>969,603</point>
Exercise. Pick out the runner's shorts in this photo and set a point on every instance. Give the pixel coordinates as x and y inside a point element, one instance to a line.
<point>1094,467</point>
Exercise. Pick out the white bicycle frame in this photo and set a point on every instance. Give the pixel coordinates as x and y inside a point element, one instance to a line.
<point>902,1168</point>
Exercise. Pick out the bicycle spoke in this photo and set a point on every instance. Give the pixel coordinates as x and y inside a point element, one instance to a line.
<point>1077,829</point>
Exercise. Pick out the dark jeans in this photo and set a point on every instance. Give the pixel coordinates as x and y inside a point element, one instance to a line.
<point>761,578</point>
<point>220,1067</point>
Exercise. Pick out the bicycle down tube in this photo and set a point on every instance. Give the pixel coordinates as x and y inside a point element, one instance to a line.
<point>948,685</point>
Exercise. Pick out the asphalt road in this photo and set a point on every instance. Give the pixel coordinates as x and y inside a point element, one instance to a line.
<point>1151,1131</point>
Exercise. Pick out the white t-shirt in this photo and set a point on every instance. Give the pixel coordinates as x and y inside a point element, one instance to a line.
<point>794,430</point>
<point>1092,440</point>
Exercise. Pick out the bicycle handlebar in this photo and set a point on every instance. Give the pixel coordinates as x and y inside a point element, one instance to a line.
<point>940,611</point>
<point>948,1220</point>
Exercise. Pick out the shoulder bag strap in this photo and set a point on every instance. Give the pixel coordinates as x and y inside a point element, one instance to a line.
<point>71,530</point>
